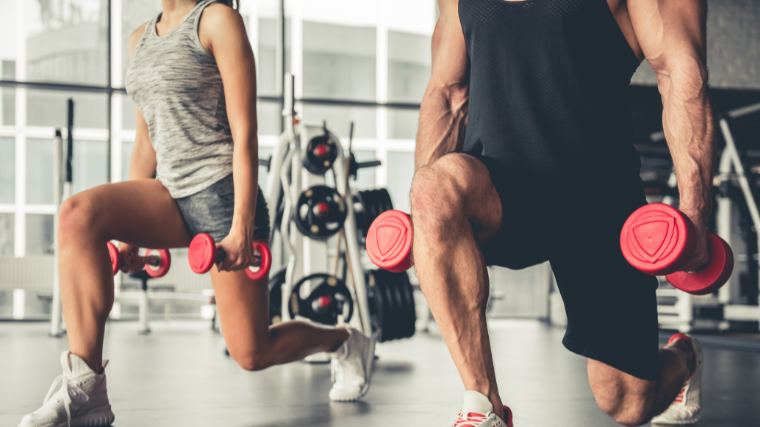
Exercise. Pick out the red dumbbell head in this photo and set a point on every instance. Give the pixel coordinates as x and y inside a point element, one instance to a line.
<point>657,239</point>
<point>389,241</point>
<point>201,253</point>
<point>266,262</point>
<point>113,251</point>
<point>712,276</point>
<point>163,268</point>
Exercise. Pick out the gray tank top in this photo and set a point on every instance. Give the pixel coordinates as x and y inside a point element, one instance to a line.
<point>177,86</point>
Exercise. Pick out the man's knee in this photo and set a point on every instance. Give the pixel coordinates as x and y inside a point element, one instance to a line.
<point>441,189</point>
<point>627,399</point>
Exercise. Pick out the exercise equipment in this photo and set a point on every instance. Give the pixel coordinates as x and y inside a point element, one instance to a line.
<point>391,304</point>
<point>321,153</point>
<point>320,212</point>
<point>275,296</point>
<point>203,253</point>
<point>157,261</point>
<point>389,241</point>
<point>659,240</point>
<point>368,205</point>
<point>327,299</point>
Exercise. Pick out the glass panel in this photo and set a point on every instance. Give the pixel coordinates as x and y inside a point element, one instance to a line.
<point>268,117</point>
<point>89,164</point>
<point>127,113</point>
<point>267,60</point>
<point>126,155</point>
<point>39,171</point>
<point>339,119</point>
<point>39,234</point>
<point>338,61</point>
<point>408,66</point>
<point>400,173</point>
<point>133,14</point>
<point>365,177</point>
<point>49,108</point>
<point>7,106</point>
<point>7,233</point>
<point>402,124</point>
<point>264,153</point>
<point>67,41</point>
<point>8,36</point>
<point>7,169</point>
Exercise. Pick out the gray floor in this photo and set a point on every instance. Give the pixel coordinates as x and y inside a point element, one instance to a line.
<point>177,376</point>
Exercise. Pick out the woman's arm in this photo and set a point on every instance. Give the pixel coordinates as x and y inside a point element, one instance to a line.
<point>222,33</point>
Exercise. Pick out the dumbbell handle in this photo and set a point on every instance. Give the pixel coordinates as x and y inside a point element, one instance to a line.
<point>221,255</point>
<point>152,260</point>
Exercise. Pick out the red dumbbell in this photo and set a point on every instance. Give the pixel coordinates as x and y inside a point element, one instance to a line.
<point>389,241</point>
<point>157,261</point>
<point>203,253</point>
<point>659,240</point>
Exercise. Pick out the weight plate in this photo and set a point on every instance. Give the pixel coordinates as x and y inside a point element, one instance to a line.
<point>275,297</point>
<point>113,252</point>
<point>320,212</point>
<point>389,241</point>
<point>712,276</point>
<point>163,268</point>
<point>201,253</point>
<point>327,299</point>
<point>320,154</point>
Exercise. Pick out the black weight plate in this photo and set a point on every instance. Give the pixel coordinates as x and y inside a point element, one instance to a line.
<point>411,313</point>
<point>375,303</point>
<point>392,320</point>
<point>387,203</point>
<point>275,297</point>
<point>319,165</point>
<point>319,226</point>
<point>322,285</point>
<point>401,306</point>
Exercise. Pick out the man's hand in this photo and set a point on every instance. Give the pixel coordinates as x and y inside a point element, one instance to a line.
<point>700,256</point>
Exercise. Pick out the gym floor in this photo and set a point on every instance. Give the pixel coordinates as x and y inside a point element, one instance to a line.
<point>178,376</point>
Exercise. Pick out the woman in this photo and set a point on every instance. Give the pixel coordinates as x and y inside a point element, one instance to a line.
<point>192,79</point>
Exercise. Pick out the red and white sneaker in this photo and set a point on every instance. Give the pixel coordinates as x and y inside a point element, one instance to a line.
<point>478,412</point>
<point>687,407</point>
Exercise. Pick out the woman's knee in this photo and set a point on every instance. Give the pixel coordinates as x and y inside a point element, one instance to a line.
<point>77,217</point>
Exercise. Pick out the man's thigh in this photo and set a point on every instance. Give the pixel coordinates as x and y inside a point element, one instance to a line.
<point>611,307</point>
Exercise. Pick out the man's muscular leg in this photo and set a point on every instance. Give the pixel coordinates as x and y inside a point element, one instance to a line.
<point>632,401</point>
<point>454,208</point>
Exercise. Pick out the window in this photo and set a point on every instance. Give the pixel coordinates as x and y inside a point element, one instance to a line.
<point>7,170</point>
<point>39,171</point>
<point>39,234</point>
<point>6,234</point>
<point>66,41</point>
<point>338,61</point>
<point>402,124</point>
<point>408,66</point>
<point>339,119</point>
<point>49,109</point>
<point>400,180</point>
<point>89,164</point>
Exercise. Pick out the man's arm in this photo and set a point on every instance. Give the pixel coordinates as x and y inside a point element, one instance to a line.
<point>672,37</point>
<point>443,114</point>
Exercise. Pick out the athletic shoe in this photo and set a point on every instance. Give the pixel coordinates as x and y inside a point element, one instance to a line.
<point>688,404</point>
<point>478,412</point>
<point>352,367</point>
<point>81,401</point>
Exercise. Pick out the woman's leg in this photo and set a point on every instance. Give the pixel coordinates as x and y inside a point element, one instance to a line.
<point>244,314</point>
<point>140,212</point>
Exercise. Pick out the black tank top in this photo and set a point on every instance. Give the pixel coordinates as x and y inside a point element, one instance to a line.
<point>549,108</point>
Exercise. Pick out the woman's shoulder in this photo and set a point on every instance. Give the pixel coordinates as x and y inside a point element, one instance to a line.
<point>220,14</point>
<point>134,38</point>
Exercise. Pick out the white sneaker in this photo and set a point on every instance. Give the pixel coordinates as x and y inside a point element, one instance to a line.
<point>352,367</point>
<point>688,404</point>
<point>81,401</point>
<point>477,411</point>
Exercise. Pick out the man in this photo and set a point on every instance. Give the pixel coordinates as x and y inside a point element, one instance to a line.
<point>524,154</point>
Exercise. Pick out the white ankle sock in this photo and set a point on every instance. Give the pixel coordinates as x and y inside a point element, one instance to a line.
<point>476,402</point>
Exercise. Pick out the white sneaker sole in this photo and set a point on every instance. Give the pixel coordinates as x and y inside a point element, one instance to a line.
<point>671,419</point>
<point>369,360</point>
<point>98,417</point>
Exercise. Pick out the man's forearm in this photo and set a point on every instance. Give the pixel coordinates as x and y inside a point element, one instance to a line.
<point>690,131</point>
<point>443,117</point>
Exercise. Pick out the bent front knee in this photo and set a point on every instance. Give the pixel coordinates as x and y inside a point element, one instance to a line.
<point>435,197</point>
<point>76,216</point>
<point>628,412</point>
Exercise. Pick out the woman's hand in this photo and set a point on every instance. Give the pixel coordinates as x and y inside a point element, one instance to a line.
<point>131,262</point>
<point>238,245</point>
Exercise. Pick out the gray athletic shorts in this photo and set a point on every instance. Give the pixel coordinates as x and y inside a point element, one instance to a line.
<point>210,211</point>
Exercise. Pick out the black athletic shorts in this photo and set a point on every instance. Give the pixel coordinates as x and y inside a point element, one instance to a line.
<point>611,307</point>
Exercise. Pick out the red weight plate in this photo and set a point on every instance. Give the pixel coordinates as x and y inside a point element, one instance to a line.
<point>712,276</point>
<point>201,253</point>
<point>113,252</point>
<point>163,268</point>
<point>657,239</point>
<point>389,241</point>
<point>266,262</point>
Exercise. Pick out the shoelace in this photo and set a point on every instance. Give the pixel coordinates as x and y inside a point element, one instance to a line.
<point>67,388</point>
<point>470,417</point>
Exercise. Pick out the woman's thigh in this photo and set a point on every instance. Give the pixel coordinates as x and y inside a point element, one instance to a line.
<point>138,212</point>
